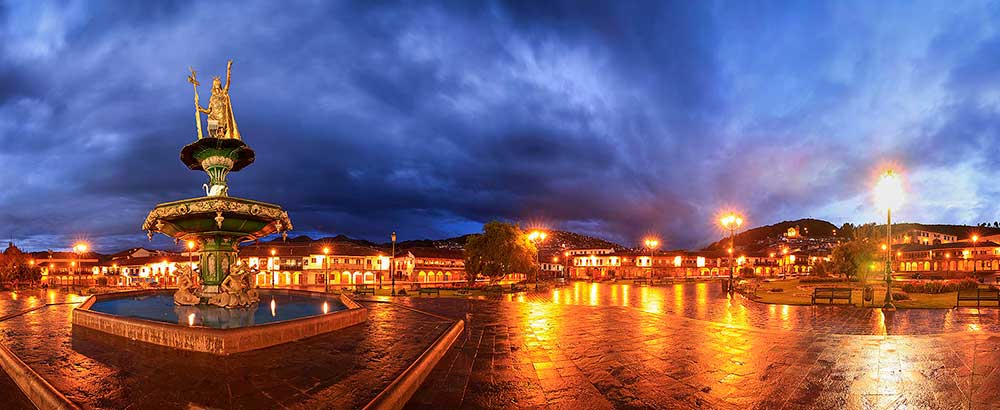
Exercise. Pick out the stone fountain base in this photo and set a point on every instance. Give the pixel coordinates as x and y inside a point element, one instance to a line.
<point>217,341</point>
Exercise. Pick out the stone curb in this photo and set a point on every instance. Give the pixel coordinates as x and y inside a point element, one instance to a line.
<point>399,392</point>
<point>37,389</point>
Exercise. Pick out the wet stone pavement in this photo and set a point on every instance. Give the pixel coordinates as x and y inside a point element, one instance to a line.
<point>341,370</point>
<point>710,352</point>
<point>583,346</point>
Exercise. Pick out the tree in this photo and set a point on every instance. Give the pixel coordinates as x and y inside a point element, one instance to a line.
<point>501,249</point>
<point>852,258</point>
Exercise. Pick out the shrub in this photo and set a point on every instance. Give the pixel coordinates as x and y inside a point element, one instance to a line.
<point>102,281</point>
<point>939,286</point>
<point>820,279</point>
<point>896,295</point>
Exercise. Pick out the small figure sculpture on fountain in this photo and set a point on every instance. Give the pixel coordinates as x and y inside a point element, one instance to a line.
<point>236,289</point>
<point>188,286</point>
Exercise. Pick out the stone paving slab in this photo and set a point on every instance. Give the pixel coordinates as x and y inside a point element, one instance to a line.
<point>707,301</point>
<point>344,369</point>
<point>544,355</point>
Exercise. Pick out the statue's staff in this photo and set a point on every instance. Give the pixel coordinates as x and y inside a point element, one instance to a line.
<point>197,116</point>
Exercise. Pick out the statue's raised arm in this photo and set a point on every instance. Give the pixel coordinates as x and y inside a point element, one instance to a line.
<point>229,73</point>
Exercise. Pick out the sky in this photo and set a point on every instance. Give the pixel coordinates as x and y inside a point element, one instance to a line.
<point>615,119</point>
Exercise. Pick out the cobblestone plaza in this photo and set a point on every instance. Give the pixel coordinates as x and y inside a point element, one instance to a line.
<point>580,346</point>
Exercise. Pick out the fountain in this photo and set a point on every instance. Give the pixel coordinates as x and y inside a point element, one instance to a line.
<point>218,297</point>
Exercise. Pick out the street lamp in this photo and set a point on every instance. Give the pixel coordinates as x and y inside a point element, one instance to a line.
<point>392,264</point>
<point>888,196</point>
<point>78,251</point>
<point>731,222</point>
<point>975,240</point>
<point>326,269</point>
<point>651,244</point>
<point>537,237</point>
<point>273,252</point>
<point>190,246</point>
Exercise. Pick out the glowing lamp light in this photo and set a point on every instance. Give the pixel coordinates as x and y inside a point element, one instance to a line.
<point>326,250</point>
<point>326,307</point>
<point>190,245</point>
<point>537,236</point>
<point>652,243</point>
<point>889,191</point>
<point>191,319</point>
<point>80,247</point>
<point>273,308</point>
<point>731,221</point>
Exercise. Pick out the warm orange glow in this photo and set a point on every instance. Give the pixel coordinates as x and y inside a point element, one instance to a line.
<point>730,250</point>
<point>791,258</point>
<point>273,252</point>
<point>772,254</point>
<point>191,319</point>
<point>731,221</point>
<point>677,261</point>
<point>652,243</point>
<point>80,247</point>
<point>326,250</point>
<point>31,262</point>
<point>889,191</point>
<point>537,236</point>
<point>190,245</point>
<point>884,247</point>
<point>975,238</point>
<point>555,259</point>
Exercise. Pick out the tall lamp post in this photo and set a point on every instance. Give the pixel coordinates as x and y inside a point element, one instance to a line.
<point>326,269</point>
<point>888,196</point>
<point>975,240</point>
<point>731,222</point>
<point>392,264</point>
<point>651,244</point>
<point>537,237</point>
<point>78,250</point>
<point>273,252</point>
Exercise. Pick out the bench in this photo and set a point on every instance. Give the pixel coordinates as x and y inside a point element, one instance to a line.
<point>831,294</point>
<point>978,295</point>
<point>428,291</point>
<point>641,282</point>
<point>362,289</point>
<point>518,287</point>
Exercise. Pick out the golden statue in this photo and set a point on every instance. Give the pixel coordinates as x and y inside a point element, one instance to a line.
<point>221,122</point>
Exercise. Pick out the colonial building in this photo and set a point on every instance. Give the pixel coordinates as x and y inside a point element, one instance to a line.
<point>683,264</point>
<point>431,265</point>
<point>303,261</point>
<point>922,237</point>
<point>953,259</point>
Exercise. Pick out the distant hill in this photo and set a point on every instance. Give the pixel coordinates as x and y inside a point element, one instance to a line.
<point>554,240</point>
<point>760,237</point>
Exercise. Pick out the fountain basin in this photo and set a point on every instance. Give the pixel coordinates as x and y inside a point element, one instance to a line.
<point>149,316</point>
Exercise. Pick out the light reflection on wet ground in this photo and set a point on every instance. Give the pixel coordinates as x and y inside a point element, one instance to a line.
<point>707,301</point>
<point>636,353</point>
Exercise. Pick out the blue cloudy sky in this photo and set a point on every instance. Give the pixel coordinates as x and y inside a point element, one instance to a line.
<point>617,119</point>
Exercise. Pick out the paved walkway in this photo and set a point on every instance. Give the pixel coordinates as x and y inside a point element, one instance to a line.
<point>584,346</point>
<point>339,370</point>
<point>547,351</point>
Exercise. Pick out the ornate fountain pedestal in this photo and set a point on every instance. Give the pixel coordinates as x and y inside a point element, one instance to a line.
<point>217,225</point>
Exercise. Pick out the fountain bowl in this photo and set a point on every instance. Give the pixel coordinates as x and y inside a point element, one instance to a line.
<point>148,316</point>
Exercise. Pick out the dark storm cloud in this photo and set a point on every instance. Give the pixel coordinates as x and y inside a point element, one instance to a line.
<point>617,119</point>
